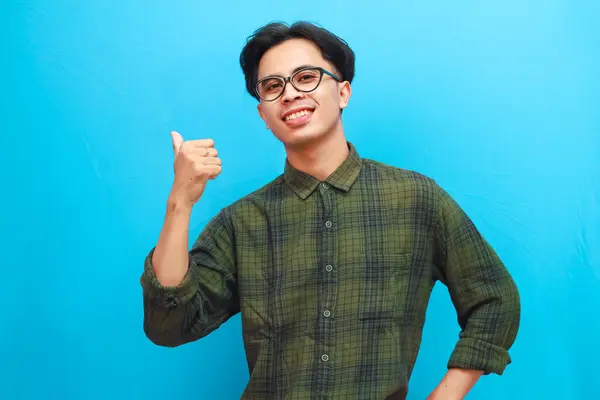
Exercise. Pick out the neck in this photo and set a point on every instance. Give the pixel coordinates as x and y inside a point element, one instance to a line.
<point>321,157</point>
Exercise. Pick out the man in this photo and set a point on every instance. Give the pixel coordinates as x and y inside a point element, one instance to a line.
<point>332,263</point>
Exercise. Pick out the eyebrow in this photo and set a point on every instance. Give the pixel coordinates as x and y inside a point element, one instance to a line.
<point>298,68</point>
<point>302,67</point>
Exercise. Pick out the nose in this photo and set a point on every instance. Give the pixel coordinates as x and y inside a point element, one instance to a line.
<point>290,93</point>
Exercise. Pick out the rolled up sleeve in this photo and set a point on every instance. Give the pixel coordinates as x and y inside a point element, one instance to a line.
<point>167,296</point>
<point>206,297</point>
<point>481,288</point>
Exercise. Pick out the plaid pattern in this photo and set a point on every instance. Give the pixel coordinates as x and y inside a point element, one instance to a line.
<point>332,280</point>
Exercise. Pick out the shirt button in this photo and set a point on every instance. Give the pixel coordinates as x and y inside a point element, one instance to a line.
<point>328,268</point>
<point>328,224</point>
<point>171,301</point>
<point>327,313</point>
<point>325,186</point>
<point>325,357</point>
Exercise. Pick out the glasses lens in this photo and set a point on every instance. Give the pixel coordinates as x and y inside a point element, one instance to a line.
<point>270,88</point>
<point>307,80</point>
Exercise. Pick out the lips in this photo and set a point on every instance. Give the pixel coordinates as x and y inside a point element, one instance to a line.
<point>296,113</point>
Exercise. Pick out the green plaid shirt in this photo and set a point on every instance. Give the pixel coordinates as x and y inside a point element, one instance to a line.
<point>332,280</point>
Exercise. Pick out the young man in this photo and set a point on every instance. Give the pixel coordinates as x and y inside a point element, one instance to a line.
<point>332,263</point>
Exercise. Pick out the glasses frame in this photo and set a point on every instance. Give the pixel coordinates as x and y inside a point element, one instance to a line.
<point>290,78</point>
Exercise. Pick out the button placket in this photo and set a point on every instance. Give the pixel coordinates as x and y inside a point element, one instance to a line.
<point>328,288</point>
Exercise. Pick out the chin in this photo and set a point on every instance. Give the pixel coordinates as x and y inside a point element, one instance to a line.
<point>310,132</point>
<point>302,136</point>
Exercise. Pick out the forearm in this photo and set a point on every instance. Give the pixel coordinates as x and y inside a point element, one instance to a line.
<point>168,296</point>
<point>197,291</point>
<point>171,259</point>
<point>456,384</point>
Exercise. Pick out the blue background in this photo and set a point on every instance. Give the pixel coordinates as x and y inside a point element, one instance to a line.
<point>499,101</point>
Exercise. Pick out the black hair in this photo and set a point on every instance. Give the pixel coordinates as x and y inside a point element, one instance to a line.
<point>333,49</point>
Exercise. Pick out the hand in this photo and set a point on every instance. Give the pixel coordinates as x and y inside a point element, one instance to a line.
<point>195,163</point>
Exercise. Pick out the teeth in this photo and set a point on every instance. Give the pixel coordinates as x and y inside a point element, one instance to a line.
<point>298,114</point>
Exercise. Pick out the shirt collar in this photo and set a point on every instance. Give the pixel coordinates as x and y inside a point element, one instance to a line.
<point>342,178</point>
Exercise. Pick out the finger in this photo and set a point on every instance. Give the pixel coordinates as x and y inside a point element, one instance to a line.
<point>214,171</point>
<point>177,141</point>
<point>200,151</point>
<point>211,152</point>
<point>211,161</point>
<point>202,143</point>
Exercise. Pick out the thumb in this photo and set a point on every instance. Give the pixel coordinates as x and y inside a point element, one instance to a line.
<point>177,141</point>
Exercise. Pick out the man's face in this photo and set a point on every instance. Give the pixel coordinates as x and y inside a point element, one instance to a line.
<point>296,117</point>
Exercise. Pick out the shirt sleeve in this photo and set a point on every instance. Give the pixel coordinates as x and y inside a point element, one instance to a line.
<point>482,290</point>
<point>206,297</point>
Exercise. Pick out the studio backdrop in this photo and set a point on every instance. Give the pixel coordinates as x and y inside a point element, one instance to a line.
<point>498,101</point>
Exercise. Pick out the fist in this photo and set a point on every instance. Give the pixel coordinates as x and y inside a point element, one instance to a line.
<point>195,163</point>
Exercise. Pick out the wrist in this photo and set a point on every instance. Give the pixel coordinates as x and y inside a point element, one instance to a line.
<point>177,205</point>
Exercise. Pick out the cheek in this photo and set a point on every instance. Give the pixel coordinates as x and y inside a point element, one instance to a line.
<point>271,115</point>
<point>330,103</point>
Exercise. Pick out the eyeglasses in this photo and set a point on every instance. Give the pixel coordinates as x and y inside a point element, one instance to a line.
<point>304,80</point>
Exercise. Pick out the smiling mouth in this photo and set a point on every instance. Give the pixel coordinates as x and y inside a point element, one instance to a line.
<point>298,114</point>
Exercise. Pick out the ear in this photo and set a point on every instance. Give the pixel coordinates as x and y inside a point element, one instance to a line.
<point>345,91</point>
<point>262,115</point>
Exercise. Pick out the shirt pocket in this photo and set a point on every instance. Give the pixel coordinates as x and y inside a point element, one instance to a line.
<point>382,281</point>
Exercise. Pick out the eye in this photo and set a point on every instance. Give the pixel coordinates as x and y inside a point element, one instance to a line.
<point>270,85</point>
<point>306,76</point>
<point>273,86</point>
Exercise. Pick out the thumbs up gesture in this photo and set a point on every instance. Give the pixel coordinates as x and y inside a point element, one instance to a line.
<point>195,163</point>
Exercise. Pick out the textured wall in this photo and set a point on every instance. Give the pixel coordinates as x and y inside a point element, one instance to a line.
<point>499,101</point>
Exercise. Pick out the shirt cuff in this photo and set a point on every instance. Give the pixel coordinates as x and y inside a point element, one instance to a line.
<point>167,296</point>
<point>479,355</point>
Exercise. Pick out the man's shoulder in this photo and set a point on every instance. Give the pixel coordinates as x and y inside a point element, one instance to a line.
<point>258,196</point>
<point>398,175</point>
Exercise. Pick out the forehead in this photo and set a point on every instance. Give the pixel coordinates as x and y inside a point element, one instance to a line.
<point>283,58</point>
